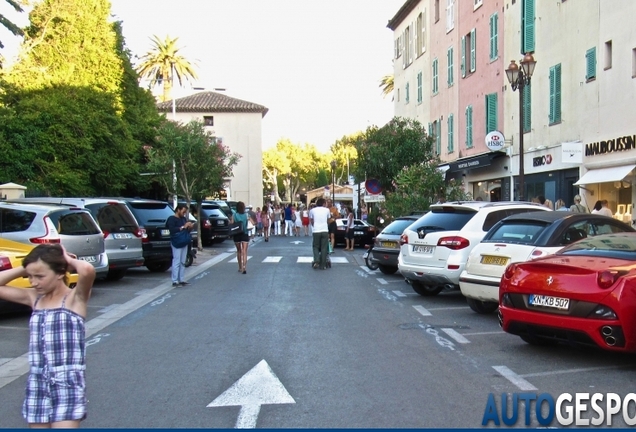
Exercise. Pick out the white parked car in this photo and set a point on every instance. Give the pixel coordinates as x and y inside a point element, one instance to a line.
<point>435,248</point>
<point>523,237</point>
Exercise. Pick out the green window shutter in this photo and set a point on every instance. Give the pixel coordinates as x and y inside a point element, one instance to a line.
<point>463,61</point>
<point>491,112</point>
<point>493,37</point>
<point>590,64</point>
<point>469,126</point>
<point>527,108</point>
<point>438,138</point>
<point>435,78</point>
<point>451,131</point>
<point>419,87</point>
<point>449,71</point>
<point>473,49</point>
<point>555,94</point>
<point>527,26</point>
<point>407,96</point>
<point>430,129</point>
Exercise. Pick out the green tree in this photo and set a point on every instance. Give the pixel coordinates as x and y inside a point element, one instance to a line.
<point>164,59</point>
<point>201,164</point>
<point>346,156</point>
<point>387,85</point>
<point>68,42</point>
<point>6,23</point>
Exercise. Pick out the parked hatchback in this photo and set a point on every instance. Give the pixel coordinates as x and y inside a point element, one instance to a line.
<point>435,248</point>
<point>73,227</point>
<point>524,237</point>
<point>386,247</point>
<point>122,234</point>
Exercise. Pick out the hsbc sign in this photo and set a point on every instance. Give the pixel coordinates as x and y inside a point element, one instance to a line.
<point>495,141</point>
<point>542,160</point>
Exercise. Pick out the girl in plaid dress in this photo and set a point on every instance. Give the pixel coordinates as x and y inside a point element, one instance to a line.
<point>56,387</point>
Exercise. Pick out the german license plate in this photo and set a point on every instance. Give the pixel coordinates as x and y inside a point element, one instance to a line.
<point>358,233</point>
<point>389,244</point>
<point>165,232</point>
<point>549,301</point>
<point>220,223</point>
<point>122,236</point>
<point>90,258</point>
<point>494,260</point>
<point>423,249</point>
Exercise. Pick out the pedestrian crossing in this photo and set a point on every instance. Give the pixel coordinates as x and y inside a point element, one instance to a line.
<point>300,259</point>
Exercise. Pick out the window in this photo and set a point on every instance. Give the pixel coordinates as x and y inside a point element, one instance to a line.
<point>527,26</point>
<point>450,15</point>
<point>608,55</point>
<point>397,49</point>
<point>555,94</point>
<point>469,126</point>
<point>451,130</point>
<point>491,112</point>
<point>436,10</point>
<point>590,64</point>
<point>419,34</point>
<point>407,46</point>
<point>435,76</point>
<point>477,3</point>
<point>438,138</point>
<point>469,52</point>
<point>449,69</point>
<point>494,37</point>
<point>398,95</point>
<point>407,96</point>
<point>419,87</point>
<point>527,108</point>
<point>208,120</point>
<point>633,62</point>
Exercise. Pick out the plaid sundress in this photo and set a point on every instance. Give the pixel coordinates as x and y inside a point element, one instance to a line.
<point>56,387</point>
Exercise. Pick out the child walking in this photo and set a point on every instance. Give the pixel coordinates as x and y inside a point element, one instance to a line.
<point>56,387</point>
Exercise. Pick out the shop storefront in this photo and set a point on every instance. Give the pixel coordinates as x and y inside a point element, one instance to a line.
<point>486,176</point>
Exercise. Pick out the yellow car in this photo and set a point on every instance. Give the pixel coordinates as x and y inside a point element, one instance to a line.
<point>11,256</point>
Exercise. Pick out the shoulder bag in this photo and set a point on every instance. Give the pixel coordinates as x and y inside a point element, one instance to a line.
<point>181,239</point>
<point>236,227</point>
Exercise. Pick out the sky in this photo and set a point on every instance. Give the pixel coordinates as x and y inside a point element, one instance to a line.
<point>315,64</point>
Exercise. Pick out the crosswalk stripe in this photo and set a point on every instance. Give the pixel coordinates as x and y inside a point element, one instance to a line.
<point>272,259</point>
<point>305,260</point>
<point>234,260</point>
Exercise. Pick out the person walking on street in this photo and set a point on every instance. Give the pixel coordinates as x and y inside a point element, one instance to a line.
<point>180,229</point>
<point>334,214</point>
<point>318,217</point>
<point>305,221</point>
<point>252,222</point>
<point>242,240</point>
<point>577,207</point>
<point>288,220</point>
<point>349,237</point>
<point>277,219</point>
<point>265,222</point>
<point>56,387</point>
<point>259,222</point>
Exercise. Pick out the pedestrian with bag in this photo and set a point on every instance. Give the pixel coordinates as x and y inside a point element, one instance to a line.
<point>318,217</point>
<point>180,239</point>
<point>56,386</point>
<point>577,207</point>
<point>242,239</point>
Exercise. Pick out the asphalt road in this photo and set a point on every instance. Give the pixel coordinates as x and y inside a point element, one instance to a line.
<point>286,346</point>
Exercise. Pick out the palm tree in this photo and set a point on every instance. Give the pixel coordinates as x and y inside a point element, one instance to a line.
<point>386,84</point>
<point>6,23</point>
<point>161,62</point>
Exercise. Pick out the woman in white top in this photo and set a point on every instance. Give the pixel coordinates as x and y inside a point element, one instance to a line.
<point>349,236</point>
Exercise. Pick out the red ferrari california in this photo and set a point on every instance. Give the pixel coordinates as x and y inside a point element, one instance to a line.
<point>585,294</point>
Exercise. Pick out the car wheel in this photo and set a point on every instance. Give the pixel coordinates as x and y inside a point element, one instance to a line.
<point>388,269</point>
<point>159,267</point>
<point>533,340</point>
<point>115,275</point>
<point>426,290</point>
<point>482,307</point>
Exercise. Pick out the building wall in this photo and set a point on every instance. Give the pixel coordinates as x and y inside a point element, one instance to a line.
<point>242,134</point>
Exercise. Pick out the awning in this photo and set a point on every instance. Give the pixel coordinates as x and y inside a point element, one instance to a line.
<point>443,168</point>
<point>605,175</point>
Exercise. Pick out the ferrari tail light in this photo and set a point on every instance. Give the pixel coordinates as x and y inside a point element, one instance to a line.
<point>454,242</point>
<point>510,270</point>
<point>607,278</point>
<point>5,263</point>
<point>404,240</point>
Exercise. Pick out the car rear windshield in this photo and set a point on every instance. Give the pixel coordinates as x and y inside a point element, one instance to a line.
<point>148,214</point>
<point>516,232</point>
<point>213,212</point>
<point>444,219</point>
<point>113,217</point>
<point>12,220</point>
<point>397,227</point>
<point>74,222</point>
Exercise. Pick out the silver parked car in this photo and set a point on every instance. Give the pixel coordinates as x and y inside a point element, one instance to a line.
<point>73,227</point>
<point>122,234</point>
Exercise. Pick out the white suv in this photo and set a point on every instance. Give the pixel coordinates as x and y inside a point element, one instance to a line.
<point>434,249</point>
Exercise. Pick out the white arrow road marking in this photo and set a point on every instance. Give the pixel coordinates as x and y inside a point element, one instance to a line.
<point>297,242</point>
<point>260,386</point>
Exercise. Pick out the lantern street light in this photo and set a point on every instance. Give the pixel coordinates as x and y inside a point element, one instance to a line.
<point>519,78</point>
<point>333,182</point>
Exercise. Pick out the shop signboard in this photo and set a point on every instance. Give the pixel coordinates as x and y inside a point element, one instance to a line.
<point>495,141</point>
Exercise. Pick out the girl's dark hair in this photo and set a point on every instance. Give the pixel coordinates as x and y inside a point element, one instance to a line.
<point>50,254</point>
<point>598,205</point>
<point>240,207</point>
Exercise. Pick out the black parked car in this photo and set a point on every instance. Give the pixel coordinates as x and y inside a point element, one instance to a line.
<point>215,224</point>
<point>152,215</point>
<point>363,233</point>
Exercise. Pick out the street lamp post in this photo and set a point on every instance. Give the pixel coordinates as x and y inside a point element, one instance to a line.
<point>520,78</point>
<point>333,182</point>
<point>174,119</point>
